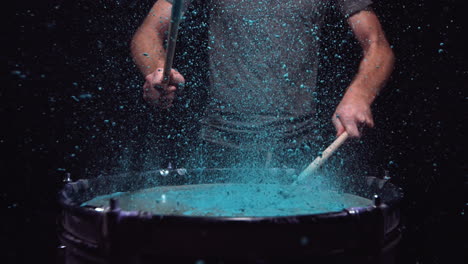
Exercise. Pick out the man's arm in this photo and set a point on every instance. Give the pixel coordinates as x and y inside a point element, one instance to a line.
<point>147,49</point>
<point>147,44</point>
<point>374,70</point>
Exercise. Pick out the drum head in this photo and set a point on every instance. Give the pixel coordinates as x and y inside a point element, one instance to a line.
<point>233,200</point>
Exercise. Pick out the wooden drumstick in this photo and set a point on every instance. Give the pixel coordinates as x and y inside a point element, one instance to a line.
<point>312,168</point>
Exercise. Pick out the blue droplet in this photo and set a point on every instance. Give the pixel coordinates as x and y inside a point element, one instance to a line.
<point>85,96</point>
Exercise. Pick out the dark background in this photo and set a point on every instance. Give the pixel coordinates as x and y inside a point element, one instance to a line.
<point>71,102</point>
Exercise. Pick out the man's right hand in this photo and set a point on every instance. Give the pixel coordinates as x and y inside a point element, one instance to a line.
<point>158,94</point>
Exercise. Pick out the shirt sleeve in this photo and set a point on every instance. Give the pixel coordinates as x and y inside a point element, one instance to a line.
<point>350,7</point>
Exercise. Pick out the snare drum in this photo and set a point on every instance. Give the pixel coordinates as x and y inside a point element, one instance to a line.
<point>140,218</point>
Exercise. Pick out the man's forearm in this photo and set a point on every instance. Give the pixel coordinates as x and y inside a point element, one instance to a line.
<point>377,62</point>
<point>374,70</point>
<point>147,50</point>
<point>147,46</point>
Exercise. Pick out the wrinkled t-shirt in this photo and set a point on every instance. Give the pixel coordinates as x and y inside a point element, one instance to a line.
<point>263,61</point>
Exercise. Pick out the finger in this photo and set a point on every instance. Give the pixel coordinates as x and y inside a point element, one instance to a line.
<point>155,78</point>
<point>338,125</point>
<point>361,123</point>
<point>165,104</point>
<point>171,89</point>
<point>370,122</point>
<point>161,89</point>
<point>176,77</point>
<point>361,118</point>
<point>365,121</point>
<point>351,126</point>
<point>148,93</point>
<point>165,88</point>
<point>146,87</point>
<point>153,86</point>
<point>167,96</point>
<point>170,97</point>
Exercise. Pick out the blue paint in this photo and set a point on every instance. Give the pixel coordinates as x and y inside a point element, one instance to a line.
<point>234,200</point>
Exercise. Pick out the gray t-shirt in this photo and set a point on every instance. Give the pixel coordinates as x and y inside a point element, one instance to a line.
<point>263,59</point>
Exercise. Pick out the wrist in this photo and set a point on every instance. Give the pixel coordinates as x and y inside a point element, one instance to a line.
<point>357,95</point>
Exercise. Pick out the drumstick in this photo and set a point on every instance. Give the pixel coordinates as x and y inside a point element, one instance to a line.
<point>172,39</point>
<point>312,168</point>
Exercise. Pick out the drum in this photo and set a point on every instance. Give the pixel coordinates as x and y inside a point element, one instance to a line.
<point>217,216</point>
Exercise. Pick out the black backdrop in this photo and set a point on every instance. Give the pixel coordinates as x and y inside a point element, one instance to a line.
<point>70,102</point>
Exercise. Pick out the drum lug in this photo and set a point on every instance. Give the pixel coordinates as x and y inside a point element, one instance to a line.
<point>377,181</point>
<point>67,178</point>
<point>109,221</point>
<point>386,175</point>
<point>61,253</point>
<point>165,172</point>
<point>109,216</point>
<point>377,200</point>
<point>114,204</point>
